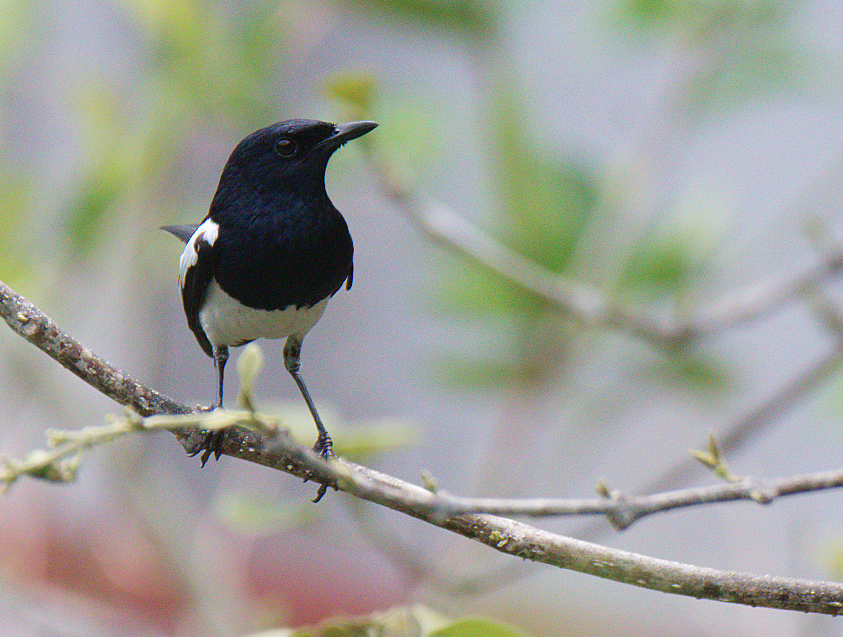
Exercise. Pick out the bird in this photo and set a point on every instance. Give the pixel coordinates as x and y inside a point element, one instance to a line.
<point>270,253</point>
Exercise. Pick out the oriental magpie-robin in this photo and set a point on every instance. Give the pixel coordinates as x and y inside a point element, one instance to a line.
<point>271,252</point>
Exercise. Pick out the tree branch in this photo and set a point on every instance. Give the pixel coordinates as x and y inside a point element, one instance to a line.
<point>507,536</point>
<point>28,321</point>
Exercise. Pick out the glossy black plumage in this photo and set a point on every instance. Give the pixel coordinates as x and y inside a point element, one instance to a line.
<point>277,212</point>
<point>272,249</point>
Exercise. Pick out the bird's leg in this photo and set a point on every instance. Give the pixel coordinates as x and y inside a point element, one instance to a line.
<point>292,352</point>
<point>220,358</point>
<point>212,442</point>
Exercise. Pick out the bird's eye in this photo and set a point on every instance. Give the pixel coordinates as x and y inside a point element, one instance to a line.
<point>286,147</point>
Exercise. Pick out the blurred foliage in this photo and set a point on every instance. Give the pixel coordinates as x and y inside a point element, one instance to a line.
<point>357,441</point>
<point>17,192</point>
<point>828,552</point>
<point>260,515</point>
<point>409,133</point>
<point>415,621</point>
<point>545,204</point>
<point>694,372</point>
<point>16,202</point>
<point>675,250</point>
<point>750,71</point>
<point>753,53</point>
<point>473,20</point>
<point>98,194</point>
<point>206,59</point>
<point>367,439</point>
<point>16,21</point>
<point>203,66</point>
<point>477,628</point>
<point>700,18</point>
<point>548,201</point>
<point>356,91</point>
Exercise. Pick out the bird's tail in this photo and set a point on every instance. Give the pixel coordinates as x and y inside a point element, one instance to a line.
<point>182,232</point>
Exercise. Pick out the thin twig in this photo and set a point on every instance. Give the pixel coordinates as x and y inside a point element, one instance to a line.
<point>623,510</point>
<point>755,420</point>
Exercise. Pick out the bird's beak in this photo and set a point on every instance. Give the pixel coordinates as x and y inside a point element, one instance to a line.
<point>347,132</point>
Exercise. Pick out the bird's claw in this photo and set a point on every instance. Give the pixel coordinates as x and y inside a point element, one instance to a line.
<point>324,447</point>
<point>211,443</point>
<point>323,489</point>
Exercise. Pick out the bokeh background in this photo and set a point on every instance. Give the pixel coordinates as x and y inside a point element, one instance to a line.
<point>667,152</point>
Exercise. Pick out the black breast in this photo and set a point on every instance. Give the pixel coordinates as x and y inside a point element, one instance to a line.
<point>298,255</point>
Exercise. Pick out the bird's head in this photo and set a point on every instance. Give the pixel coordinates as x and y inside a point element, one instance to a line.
<point>288,154</point>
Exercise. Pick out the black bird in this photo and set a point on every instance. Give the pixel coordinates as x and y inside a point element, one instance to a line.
<point>271,252</point>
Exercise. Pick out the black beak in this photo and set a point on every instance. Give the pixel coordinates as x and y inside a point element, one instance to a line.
<point>347,132</point>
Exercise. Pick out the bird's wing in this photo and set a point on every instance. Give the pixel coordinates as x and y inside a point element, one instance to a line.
<point>182,232</point>
<point>196,269</point>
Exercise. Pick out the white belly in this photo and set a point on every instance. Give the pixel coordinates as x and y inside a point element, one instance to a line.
<point>229,322</point>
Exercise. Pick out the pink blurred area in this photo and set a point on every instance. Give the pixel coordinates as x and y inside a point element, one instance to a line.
<point>108,571</point>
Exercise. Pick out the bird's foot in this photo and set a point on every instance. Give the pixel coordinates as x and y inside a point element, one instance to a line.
<point>211,440</point>
<point>325,448</point>
<point>323,489</point>
<point>211,443</point>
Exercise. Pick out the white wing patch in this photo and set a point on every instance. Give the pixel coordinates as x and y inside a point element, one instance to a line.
<point>225,320</point>
<point>206,233</point>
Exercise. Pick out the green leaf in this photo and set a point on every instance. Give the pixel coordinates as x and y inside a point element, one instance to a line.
<point>694,372</point>
<point>468,18</point>
<point>476,291</point>
<point>260,516</point>
<point>16,200</point>
<point>660,266</point>
<point>355,440</point>
<point>357,90</point>
<point>701,18</point>
<point>547,201</point>
<point>546,204</point>
<point>410,132</point>
<point>368,439</point>
<point>477,628</point>
<point>98,192</point>
<point>679,248</point>
<point>550,208</point>
<point>477,373</point>
<point>647,13</point>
